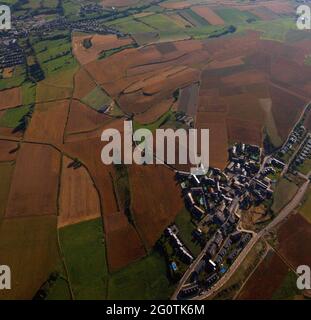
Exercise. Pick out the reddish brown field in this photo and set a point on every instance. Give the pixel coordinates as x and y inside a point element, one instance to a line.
<point>48,122</point>
<point>176,5</point>
<point>294,237</point>
<point>245,131</point>
<point>8,150</point>
<point>100,43</point>
<point>286,109</point>
<point>123,243</point>
<point>188,100</point>
<point>216,123</point>
<point>82,118</point>
<point>35,181</point>
<point>266,279</point>
<point>10,98</point>
<point>84,84</point>
<point>155,112</point>
<point>209,15</point>
<point>154,206</point>
<point>78,197</point>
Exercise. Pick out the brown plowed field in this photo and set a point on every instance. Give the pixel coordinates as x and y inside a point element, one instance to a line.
<point>216,123</point>
<point>10,98</point>
<point>123,243</point>
<point>294,238</point>
<point>48,122</point>
<point>8,150</point>
<point>78,200</point>
<point>209,15</point>
<point>82,118</point>
<point>155,112</point>
<point>84,84</point>
<point>266,279</point>
<point>35,181</point>
<point>100,43</point>
<point>156,199</point>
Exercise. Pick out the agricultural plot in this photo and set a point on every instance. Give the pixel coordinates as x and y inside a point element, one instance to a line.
<point>188,100</point>
<point>34,184</point>
<point>266,280</point>
<point>82,118</point>
<point>54,54</point>
<point>161,22</point>
<point>294,238</point>
<point>78,199</point>
<point>305,209</point>
<point>8,150</point>
<point>15,80</point>
<point>153,207</point>
<point>123,243</point>
<point>6,171</point>
<point>284,192</point>
<point>193,18</point>
<point>153,283</point>
<point>10,98</point>
<point>84,252</point>
<point>83,84</point>
<point>12,117</point>
<point>97,99</point>
<point>29,246</point>
<point>234,16</point>
<point>48,122</point>
<point>131,25</point>
<point>209,15</point>
<point>88,47</point>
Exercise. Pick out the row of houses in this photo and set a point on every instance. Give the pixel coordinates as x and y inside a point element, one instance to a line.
<point>295,137</point>
<point>179,247</point>
<point>304,153</point>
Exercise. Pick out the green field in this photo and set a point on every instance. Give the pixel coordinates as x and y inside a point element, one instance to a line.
<point>235,16</point>
<point>54,54</point>
<point>130,25</point>
<point>186,227</point>
<point>28,93</point>
<point>194,19</point>
<point>97,99</point>
<point>284,192</point>
<point>145,280</point>
<point>161,22</point>
<point>29,247</point>
<point>276,30</point>
<point>59,290</point>
<point>12,117</point>
<point>19,76</point>
<point>288,289</point>
<point>84,253</point>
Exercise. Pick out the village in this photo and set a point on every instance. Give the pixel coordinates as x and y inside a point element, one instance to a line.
<point>215,201</point>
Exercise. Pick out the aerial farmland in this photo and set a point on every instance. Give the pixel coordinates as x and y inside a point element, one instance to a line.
<point>73,228</point>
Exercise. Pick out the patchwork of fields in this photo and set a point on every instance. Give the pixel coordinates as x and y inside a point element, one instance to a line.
<point>236,68</point>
